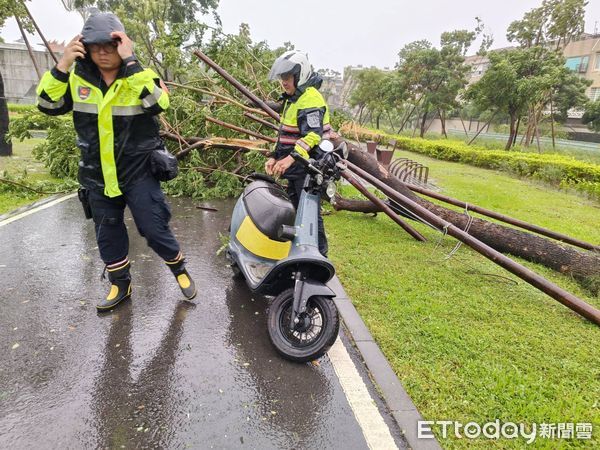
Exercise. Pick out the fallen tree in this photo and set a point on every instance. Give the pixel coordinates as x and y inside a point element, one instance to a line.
<point>584,266</point>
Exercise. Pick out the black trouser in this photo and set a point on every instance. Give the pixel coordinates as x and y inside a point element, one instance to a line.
<point>150,212</point>
<point>294,189</point>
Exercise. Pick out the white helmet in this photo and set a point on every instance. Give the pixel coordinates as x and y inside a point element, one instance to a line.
<point>292,62</point>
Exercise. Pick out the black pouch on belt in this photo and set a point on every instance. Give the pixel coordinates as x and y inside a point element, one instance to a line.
<point>163,165</point>
<point>82,193</point>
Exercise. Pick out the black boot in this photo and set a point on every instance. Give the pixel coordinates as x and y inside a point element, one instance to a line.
<point>184,280</point>
<point>120,288</point>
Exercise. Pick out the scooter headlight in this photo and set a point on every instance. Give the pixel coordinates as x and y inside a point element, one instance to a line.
<point>331,189</point>
<point>258,270</point>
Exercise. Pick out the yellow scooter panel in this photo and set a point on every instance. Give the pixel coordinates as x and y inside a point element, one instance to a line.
<point>259,244</point>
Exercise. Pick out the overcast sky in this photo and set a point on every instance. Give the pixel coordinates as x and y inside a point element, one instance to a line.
<point>335,33</point>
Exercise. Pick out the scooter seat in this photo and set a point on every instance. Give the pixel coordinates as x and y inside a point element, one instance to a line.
<point>269,207</point>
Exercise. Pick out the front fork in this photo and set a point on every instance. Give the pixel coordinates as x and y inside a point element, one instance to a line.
<point>299,304</point>
<point>304,289</point>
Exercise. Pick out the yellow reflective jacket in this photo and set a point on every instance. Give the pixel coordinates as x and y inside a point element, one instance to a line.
<point>116,125</point>
<point>304,122</point>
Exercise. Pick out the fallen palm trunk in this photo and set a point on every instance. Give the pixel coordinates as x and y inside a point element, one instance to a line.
<point>554,291</point>
<point>347,204</point>
<point>583,266</point>
<point>369,207</point>
<point>257,101</point>
<point>395,217</point>
<point>506,219</point>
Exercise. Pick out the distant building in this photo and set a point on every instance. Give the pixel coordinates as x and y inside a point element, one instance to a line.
<point>582,56</point>
<point>18,72</point>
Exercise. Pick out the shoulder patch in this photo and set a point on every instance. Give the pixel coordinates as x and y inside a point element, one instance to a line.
<point>314,119</point>
<point>84,92</point>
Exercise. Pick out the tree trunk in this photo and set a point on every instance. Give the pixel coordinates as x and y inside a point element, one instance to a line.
<point>5,147</point>
<point>360,112</point>
<point>346,204</point>
<point>482,128</point>
<point>584,266</point>
<point>29,50</point>
<point>514,142</point>
<point>511,137</point>
<point>529,134</point>
<point>552,120</point>
<point>537,133</point>
<point>443,123</point>
<point>423,122</point>
<point>377,119</point>
<point>464,127</point>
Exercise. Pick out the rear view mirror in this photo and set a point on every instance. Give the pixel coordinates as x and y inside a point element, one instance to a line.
<point>326,146</point>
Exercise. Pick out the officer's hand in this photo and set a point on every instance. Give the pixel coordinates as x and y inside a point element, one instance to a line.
<point>282,165</point>
<point>269,166</point>
<point>73,50</point>
<point>125,47</point>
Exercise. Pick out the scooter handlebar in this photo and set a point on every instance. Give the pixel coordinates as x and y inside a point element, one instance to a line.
<point>308,163</point>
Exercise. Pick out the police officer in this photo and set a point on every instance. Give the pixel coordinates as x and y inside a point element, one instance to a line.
<point>115,102</point>
<point>304,122</point>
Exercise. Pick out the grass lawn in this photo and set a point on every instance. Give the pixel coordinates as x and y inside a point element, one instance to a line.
<point>22,161</point>
<point>470,341</point>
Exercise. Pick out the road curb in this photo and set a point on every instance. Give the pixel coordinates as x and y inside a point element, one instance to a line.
<point>395,396</point>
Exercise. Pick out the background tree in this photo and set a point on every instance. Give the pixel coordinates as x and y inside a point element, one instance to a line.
<point>161,29</point>
<point>9,8</point>
<point>557,21</point>
<point>533,78</point>
<point>591,117</point>
<point>369,95</point>
<point>497,90</point>
<point>435,77</point>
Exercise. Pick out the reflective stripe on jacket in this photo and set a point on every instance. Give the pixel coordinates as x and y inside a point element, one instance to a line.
<point>304,122</point>
<point>116,129</point>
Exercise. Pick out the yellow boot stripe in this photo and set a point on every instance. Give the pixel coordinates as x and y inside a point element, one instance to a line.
<point>176,260</point>
<point>114,291</point>
<point>183,280</point>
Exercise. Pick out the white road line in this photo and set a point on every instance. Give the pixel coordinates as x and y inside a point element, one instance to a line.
<point>375,430</point>
<point>34,210</point>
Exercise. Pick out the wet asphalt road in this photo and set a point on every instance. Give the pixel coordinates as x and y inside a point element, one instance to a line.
<point>157,371</point>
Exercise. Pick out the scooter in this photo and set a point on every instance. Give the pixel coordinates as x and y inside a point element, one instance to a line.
<point>275,249</point>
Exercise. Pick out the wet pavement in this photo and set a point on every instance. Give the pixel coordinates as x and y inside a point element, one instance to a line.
<point>157,372</point>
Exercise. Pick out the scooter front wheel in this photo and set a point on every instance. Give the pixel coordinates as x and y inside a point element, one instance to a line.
<point>315,332</point>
